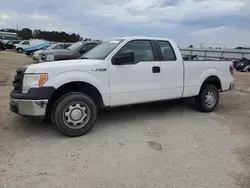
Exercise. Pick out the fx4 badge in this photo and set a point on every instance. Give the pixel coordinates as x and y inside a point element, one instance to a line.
<point>99,69</point>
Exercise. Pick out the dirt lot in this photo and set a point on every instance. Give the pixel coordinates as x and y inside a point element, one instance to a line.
<point>154,145</point>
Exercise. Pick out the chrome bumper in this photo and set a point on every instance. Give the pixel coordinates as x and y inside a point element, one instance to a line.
<point>28,107</point>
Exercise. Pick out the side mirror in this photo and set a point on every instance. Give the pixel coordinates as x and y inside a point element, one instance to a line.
<point>120,59</point>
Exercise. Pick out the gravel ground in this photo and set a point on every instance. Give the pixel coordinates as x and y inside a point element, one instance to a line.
<point>154,145</point>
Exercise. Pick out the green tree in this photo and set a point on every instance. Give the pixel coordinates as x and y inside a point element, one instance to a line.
<point>26,33</point>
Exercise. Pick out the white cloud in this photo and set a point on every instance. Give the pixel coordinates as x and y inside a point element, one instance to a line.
<point>229,37</point>
<point>153,10</point>
<point>4,16</point>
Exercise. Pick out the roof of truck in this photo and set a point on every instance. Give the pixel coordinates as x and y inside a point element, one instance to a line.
<point>143,37</point>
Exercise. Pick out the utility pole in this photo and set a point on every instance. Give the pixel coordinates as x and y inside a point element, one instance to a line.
<point>17,27</point>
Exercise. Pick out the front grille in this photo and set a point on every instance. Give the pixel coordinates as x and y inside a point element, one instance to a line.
<point>18,80</point>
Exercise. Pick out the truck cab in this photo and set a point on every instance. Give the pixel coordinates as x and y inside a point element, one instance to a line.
<point>118,72</point>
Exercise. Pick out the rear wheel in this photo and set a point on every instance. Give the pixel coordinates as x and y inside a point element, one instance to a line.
<point>208,98</point>
<point>74,114</point>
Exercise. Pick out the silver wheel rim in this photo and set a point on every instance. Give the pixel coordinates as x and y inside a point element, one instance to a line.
<point>76,115</point>
<point>210,99</point>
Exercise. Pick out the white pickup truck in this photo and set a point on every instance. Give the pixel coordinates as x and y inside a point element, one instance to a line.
<point>119,72</point>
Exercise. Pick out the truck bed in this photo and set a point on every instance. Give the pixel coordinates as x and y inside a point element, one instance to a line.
<point>196,71</point>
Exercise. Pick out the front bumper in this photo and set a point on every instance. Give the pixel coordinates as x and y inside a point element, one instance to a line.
<point>36,57</point>
<point>28,107</point>
<point>33,103</point>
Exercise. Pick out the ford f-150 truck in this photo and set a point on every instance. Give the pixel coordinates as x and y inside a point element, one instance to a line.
<point>118,72</point>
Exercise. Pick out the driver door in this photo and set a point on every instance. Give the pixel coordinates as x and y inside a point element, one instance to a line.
<point>138,81</point>
<point>26,44</point>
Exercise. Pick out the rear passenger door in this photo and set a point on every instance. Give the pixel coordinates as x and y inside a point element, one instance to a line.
<point>171,71</point>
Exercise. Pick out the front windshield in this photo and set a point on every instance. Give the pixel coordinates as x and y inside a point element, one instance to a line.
<point>102,50</point>
<point>75,46</point>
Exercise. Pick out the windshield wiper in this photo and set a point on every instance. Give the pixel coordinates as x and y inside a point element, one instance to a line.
<point>83,58</point>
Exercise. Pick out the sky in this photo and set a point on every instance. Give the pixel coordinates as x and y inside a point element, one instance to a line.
<point>224,23</point>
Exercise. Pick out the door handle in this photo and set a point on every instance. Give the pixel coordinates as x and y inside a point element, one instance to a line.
<point>156,69</point>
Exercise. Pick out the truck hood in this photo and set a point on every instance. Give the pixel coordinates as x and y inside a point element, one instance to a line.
<point>65,65</point>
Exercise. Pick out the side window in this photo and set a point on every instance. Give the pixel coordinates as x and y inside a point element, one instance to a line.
<point>167,51</point>
<point>26,42</point>
<point>142,49</point>
<point>66,45</point>
<point>59,46</point>
<point>88,47</point>
<point>91,46</point>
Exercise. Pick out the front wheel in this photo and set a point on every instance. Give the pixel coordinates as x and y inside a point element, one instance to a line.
<point>20,50</point>
<point>208,98</point>
<point>74,114</point>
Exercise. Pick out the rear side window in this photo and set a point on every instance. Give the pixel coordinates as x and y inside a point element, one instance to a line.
<point>167,51</point>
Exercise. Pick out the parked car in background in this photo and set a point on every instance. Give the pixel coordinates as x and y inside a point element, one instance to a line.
<point>42,45</point>
<point>2,47</point>
<point>37,55</point>
<point>31,45</point>
<point>235,62</point>
<point>243,65</point>
<point>119,72</point>
<point>74,51</point>
<point>9,44</point>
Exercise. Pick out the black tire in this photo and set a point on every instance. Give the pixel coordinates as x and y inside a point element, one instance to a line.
<point>200,100</point>
<point>19,50</point>
<point>59,111</point>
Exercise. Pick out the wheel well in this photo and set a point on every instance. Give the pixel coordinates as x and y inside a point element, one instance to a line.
<point>214,80</point>
<point>82,87</point>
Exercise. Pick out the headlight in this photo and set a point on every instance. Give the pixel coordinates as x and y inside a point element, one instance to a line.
<point>33,81</point>
<point>50,57</point>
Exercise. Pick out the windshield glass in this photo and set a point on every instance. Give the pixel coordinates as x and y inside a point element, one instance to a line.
<point>102,50</point>
<point>75,46</point>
